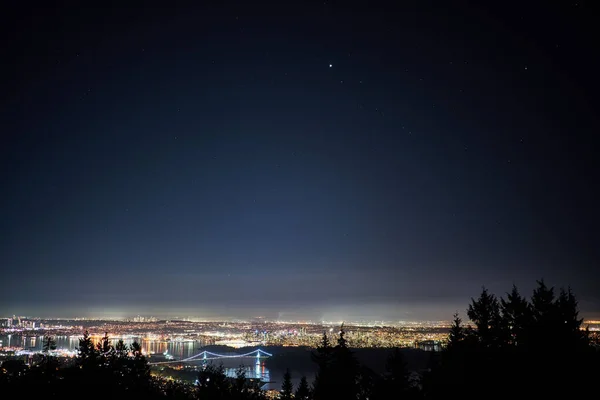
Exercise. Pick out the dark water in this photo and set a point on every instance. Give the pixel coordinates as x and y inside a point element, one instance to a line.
<point>252,369</point>
<point>271,369</point>
<point>156,350</point>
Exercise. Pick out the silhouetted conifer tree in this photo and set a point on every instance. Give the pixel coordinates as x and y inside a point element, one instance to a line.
<point>568,312</point>
<point>554,354</point>
<point>457,332</point>
<point>369,384</point>
<point>516,316</point>
<point>103,346</point>
<point>303,390</point>
<point>49,361</point>
<point>212,383</point>
<point>287,389</point>
<point>139,371</point>
<point>544,310</point>
<point>121,348</point>
<point>522,349</point>
<point>105,351</point>
<point>120,354</point>
<point>338,371</point>
<point>120,363</point>
<point>87,354</point>
<point>324,353</point>
<point>345,369</point>
<point>49,344</point>
<point>323,385</point>
<point>485,314</point>
<point>240,381</point>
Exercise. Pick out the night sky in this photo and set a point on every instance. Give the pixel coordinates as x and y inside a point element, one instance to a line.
<point>298,159</point>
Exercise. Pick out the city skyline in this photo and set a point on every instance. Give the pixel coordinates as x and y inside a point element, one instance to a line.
<point>306,160</point>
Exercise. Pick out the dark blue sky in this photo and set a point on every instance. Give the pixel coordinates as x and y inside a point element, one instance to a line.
<point>303,159</point>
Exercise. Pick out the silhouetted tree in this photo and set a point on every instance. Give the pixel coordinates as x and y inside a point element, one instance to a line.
<point>303,390</point>
<point>212,383</point>
<point>49,362</point>
<point>120,354</point>
<point>103,346</point>
<point>553,350</point>
<point>516,316</point>
<point>105,352</point>
<point>369,384</point>
<point>457,332</point>
<point>544,310</point>
<point>240,381</point>
<point>176,390</point>
<point>490,362</point>
<point>338,370</point>
<point>87,354</point>
<point>535,349</point>
<point>396,380</point>
<point>538,349</point>
<point>49,344</point>
<point>324,353</point>
<point>568,312</point>
<point>121,349</point>
<point>121,364</point>
<point>485,314</point>
<point>287,389</point>
<point>323,385</point>
<point>345,369</point>
<point>140,367</point>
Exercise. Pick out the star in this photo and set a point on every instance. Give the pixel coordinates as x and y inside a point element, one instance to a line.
<point>330,65</point>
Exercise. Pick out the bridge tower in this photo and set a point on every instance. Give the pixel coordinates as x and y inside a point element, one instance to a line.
<point>257,366</point>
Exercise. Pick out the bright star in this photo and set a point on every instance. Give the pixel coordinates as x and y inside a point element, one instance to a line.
<point>330,65</point>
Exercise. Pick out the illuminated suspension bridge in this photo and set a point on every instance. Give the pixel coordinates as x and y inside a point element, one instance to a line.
<point>208,356</point>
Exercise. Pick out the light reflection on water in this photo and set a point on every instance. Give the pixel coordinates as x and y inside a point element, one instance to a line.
<point>252,369</point>
<point>177,349</point>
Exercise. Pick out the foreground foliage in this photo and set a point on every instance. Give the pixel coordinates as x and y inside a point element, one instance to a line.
<point>516,348</point>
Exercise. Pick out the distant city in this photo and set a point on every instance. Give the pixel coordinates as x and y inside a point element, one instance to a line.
<point>174,346</point>
<point>179,349</point>
<point>234,333</point>
<point>152,331</point>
